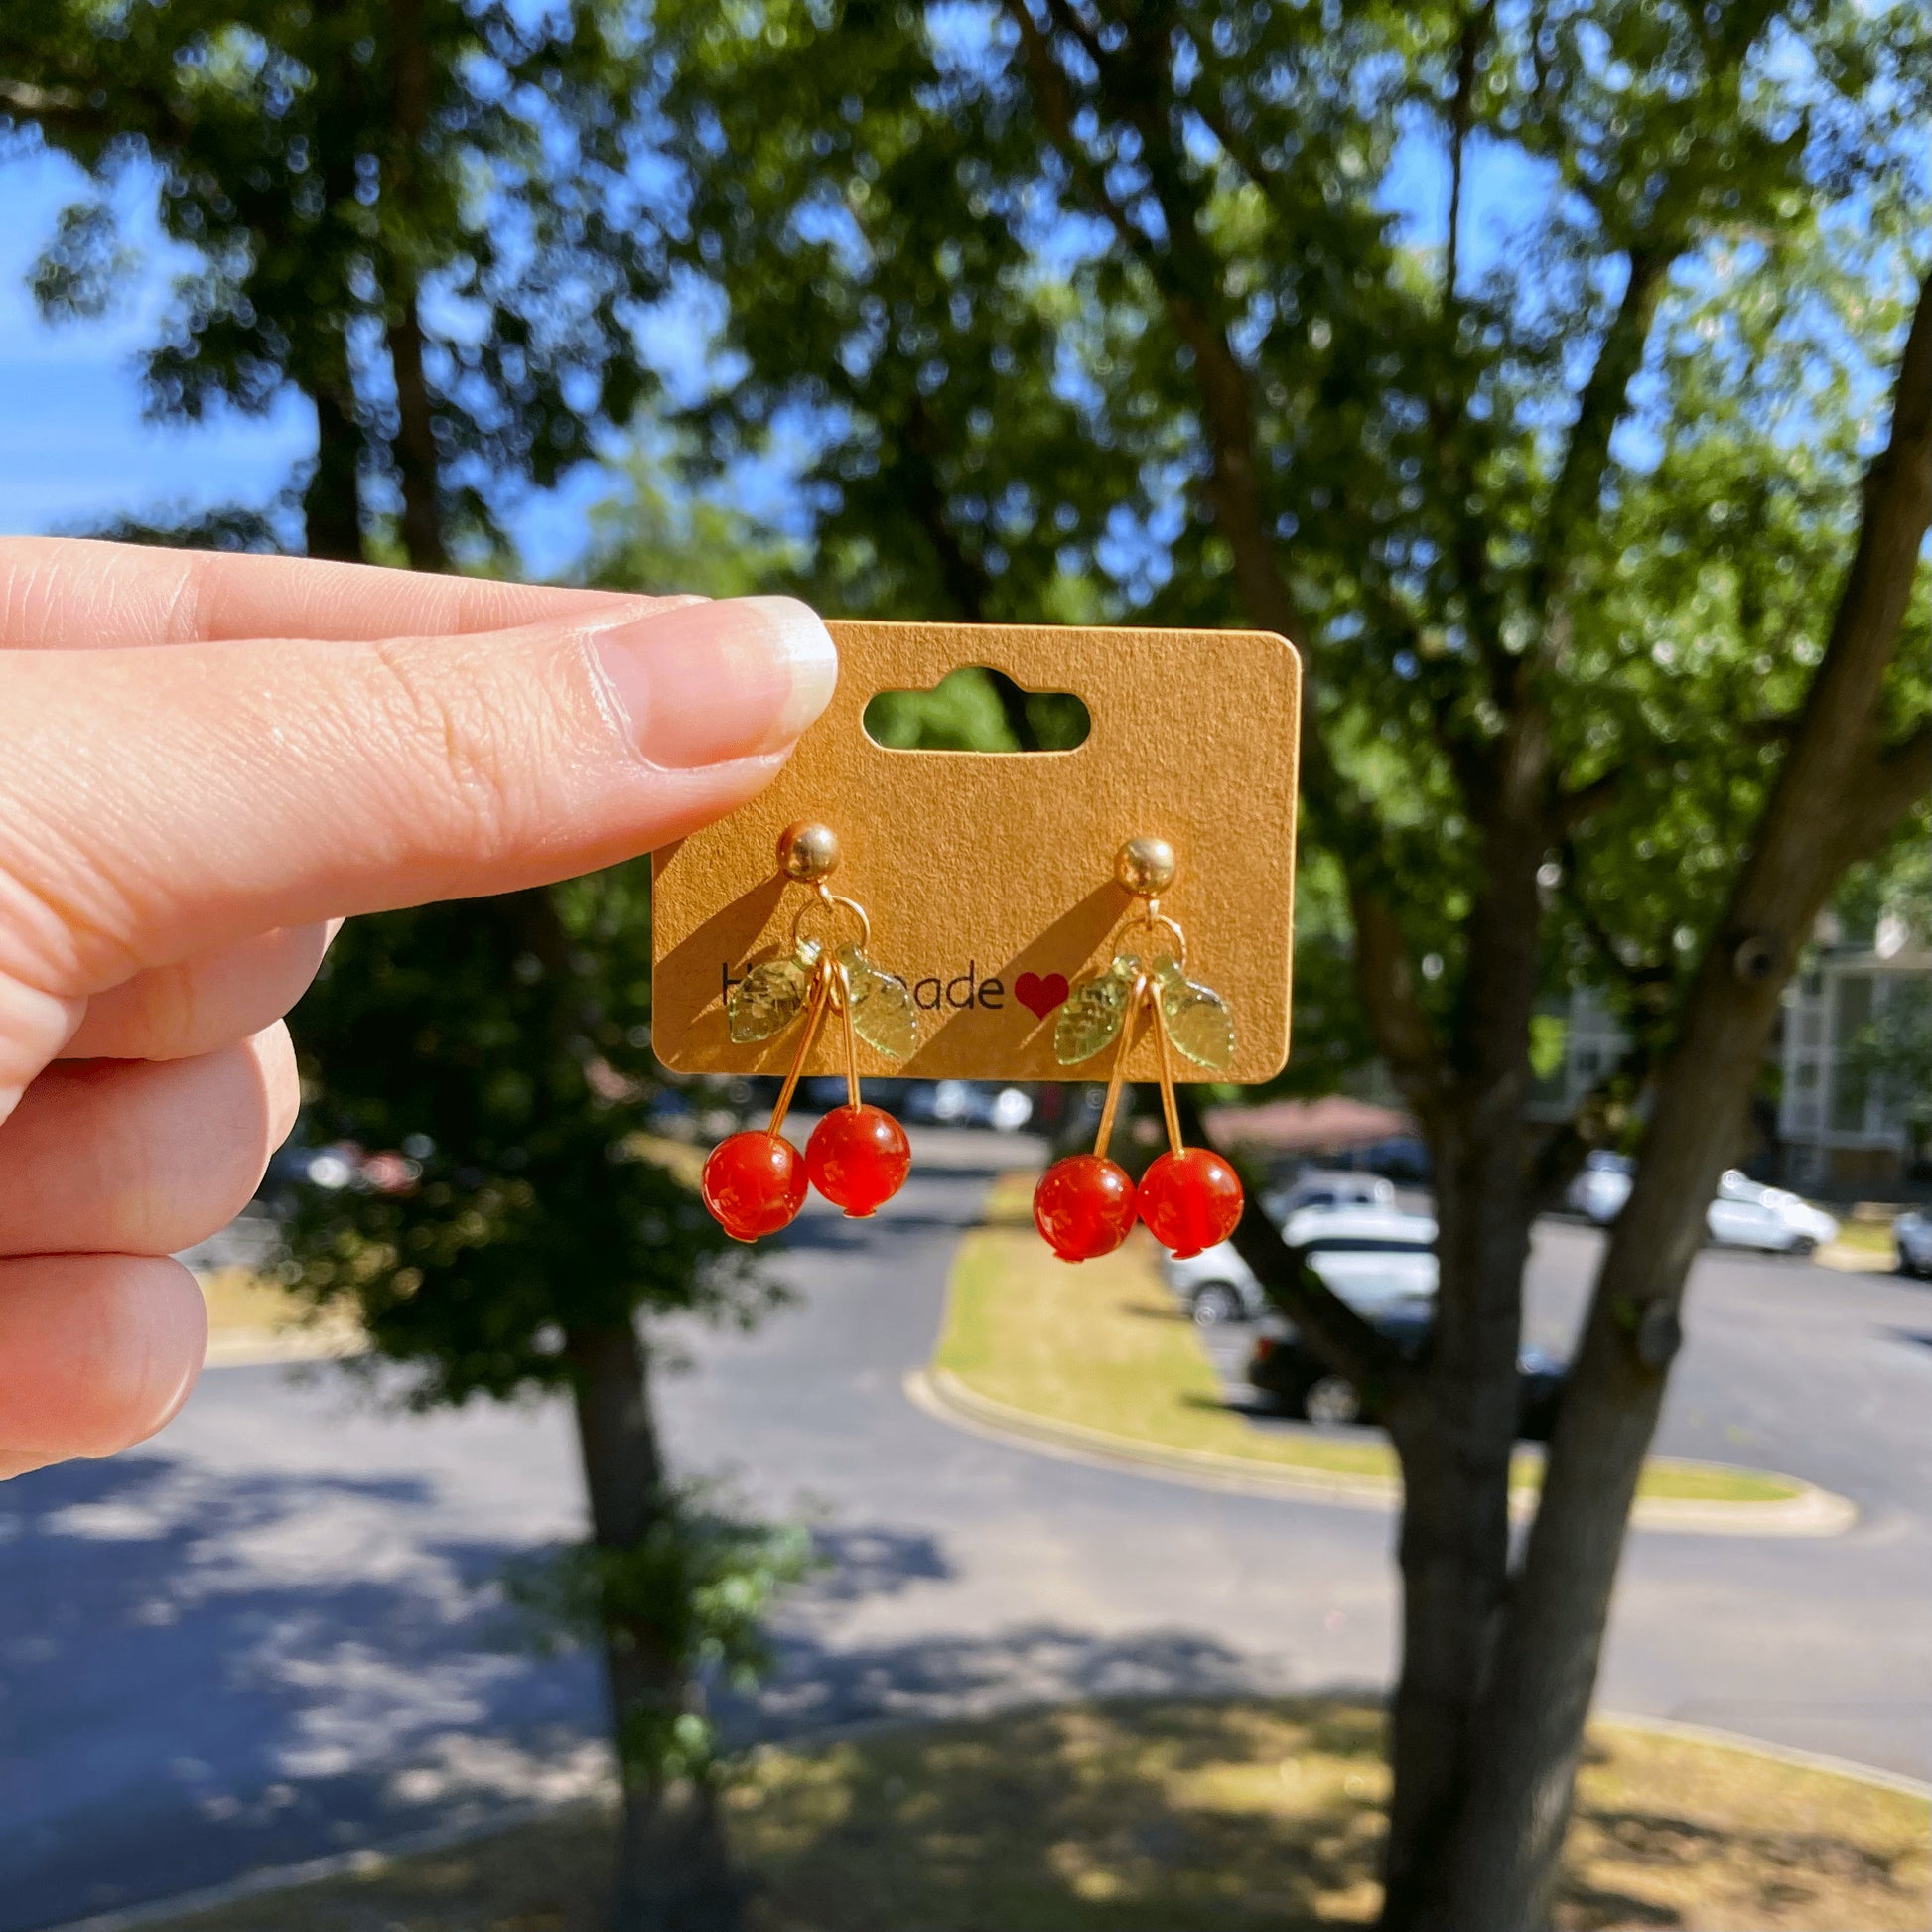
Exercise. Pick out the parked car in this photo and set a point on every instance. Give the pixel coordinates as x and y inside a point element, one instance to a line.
<point>1403,1159</point>
<point>1912,1230</point>
<point>1290,1370</point>
<point>1748,1214</point>
<point>330,1167</point>
<point>965,1103</point>
<point>1601,1186</point>
<point>1366,1254</point>
<point>294,1167</point>
<point>1745,1213</point>
<point>1321,1189</point>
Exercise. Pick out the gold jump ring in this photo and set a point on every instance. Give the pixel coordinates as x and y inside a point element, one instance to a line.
<point>831,901</point>
<point>1152,920</point>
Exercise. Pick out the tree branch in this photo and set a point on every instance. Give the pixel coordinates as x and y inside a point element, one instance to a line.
<point>1901,777</point>
<point>1468,57</point>
<point>962,575</point>
<point>1367,1359</point>
<point>1234,496</point>
<point>1586,455</point>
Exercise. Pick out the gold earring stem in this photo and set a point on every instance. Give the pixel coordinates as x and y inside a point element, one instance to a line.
<point>1111,1105</point>
<point>814,1013</point>
<point>844,1002</point>
<point>1169,1106</point>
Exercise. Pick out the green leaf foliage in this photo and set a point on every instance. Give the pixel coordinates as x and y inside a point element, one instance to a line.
<point>381,199</point>
<point>504,1042</point>
<point>701,1583</point>
<point>1052,283</point>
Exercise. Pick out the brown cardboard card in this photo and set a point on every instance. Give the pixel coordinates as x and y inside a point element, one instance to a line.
<point>989,878</point>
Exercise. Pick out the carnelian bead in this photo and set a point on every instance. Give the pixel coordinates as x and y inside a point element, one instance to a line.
<point>1084,1206</point>
<point>858,1157</point>
<point>753,1184</point>
<point>1190,1201</point>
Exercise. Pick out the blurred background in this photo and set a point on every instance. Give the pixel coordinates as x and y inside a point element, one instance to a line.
<point>1534,368</point>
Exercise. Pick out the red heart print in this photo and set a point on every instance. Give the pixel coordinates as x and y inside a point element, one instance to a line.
<point>1039,995</point>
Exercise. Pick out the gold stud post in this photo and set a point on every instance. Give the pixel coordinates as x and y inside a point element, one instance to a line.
<point>809,852</point>
<point>1146,867</point>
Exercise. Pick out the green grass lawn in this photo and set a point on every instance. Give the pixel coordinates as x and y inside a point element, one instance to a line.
<point>1865,1246</point>
<point>1172,1816</point>
<point>1104,1345</point>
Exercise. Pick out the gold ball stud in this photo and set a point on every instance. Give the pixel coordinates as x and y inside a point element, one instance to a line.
<point>1145,865</point>
<point>808,851</point>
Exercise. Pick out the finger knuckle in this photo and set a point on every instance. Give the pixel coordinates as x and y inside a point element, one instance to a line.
<point>460,754</point>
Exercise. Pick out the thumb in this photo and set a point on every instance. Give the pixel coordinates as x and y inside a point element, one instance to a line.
<point>155,803</point>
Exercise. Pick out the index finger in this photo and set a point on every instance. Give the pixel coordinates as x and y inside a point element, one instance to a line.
<point>79,594</point>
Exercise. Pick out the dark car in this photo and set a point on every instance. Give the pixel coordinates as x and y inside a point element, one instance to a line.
<point>1289,1369</point>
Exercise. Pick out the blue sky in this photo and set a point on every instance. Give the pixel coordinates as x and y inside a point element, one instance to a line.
<point>76,452</point>
<point>73,449</point>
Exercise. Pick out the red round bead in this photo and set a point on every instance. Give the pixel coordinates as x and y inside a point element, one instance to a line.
<point>753,1184</point>
<point>858,1157</point>
<point>1190,1201</point>
<point>1084,1206</point>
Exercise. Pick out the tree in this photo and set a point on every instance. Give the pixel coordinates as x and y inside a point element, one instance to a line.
<point>419,214</point>
<point>1599,544</point>
<point>503,1045</point>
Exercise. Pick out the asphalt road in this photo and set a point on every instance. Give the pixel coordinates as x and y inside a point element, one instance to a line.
<point>275,1630</point>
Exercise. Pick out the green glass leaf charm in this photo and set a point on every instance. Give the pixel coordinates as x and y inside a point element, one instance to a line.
<point>1199,1021</point>
<point>1094,1011</point>
<point>882,1013</point>
<point>770,997</point>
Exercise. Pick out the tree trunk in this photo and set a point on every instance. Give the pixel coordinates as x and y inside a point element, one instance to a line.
<point>1454,1433</point>
<point>673,1870</point>
<point>1454,1427</point>
<point>414,454</point>
<point>1838,793</point>
<point>331,512</point>
<point>415,449</point>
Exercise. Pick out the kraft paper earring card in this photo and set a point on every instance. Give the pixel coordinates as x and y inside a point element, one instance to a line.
<point>993,873</point>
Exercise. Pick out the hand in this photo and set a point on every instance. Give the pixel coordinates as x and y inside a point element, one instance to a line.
<point>204,761</point>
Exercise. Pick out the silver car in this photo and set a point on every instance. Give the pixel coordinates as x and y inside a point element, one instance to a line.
<point>1912,1230</point>
<point>1744,1214</point>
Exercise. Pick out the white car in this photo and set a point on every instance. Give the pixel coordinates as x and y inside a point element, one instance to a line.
<point>1369,1256</point>
<point>1749,1216</point>
<point>1744,1214</point>
<point>1601,1186</point>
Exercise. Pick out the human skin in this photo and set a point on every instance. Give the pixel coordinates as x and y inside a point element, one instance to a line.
<point>207,762</point>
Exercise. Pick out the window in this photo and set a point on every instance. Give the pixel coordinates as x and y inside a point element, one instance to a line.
<point>1852,1087</point>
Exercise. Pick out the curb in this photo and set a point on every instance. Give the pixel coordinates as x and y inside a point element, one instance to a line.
<point>941,1395</point>
<point>309,1871</point>
<point>944,1397</point>
<point>1731,1740</point>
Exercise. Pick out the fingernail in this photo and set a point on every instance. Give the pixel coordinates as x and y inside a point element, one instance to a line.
<point>708,682</point>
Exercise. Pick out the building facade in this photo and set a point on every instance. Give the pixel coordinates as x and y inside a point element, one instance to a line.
<point>1853,1087</point>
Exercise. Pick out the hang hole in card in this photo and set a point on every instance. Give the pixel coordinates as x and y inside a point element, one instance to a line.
<point>975,708</point>
<point>988,880</point>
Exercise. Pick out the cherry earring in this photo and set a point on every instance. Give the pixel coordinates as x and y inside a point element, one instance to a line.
<point>1189,1198</point>
<point>858,1155</point>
